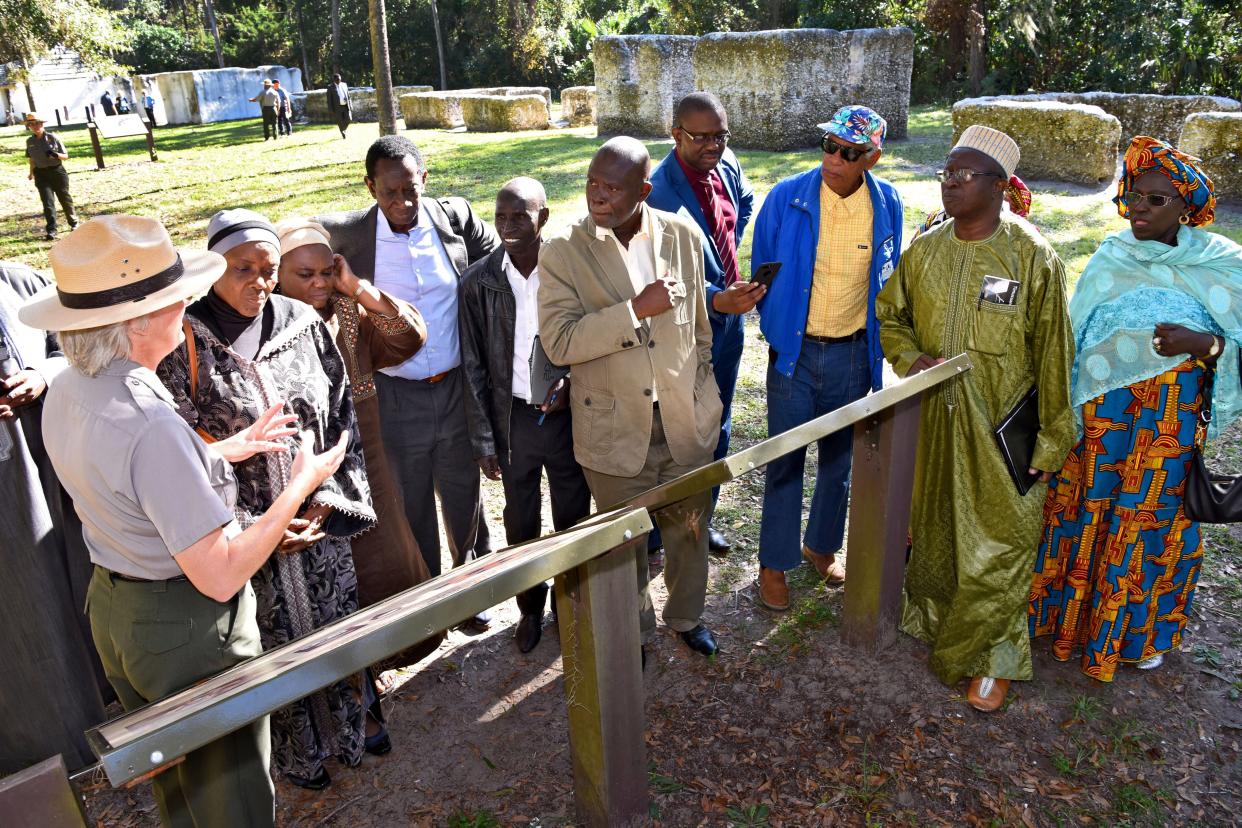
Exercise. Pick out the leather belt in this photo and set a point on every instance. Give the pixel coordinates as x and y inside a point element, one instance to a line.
<point>116,576</point>
<point>434,378</point>
<point>837,340</point>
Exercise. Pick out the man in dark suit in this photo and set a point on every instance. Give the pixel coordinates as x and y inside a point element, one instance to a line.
<point>416,248</point>
<point>518,432</point>
<point>339,104</point>
<point>701,179</point>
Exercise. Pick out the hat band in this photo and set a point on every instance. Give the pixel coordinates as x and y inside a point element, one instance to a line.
<point>224,233</point>
<point>134,292</point>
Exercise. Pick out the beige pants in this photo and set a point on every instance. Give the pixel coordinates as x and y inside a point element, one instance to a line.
<point>682,525</point>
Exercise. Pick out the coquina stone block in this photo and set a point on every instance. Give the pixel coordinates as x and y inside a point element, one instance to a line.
<point>1059,142</point>
<point>443,110</point>
<point>1160,116</point>
<point>639,78</point>
<point>1216,138</point>
<point>504,113</point>
<point>777,85</point>
<point>578,105</point>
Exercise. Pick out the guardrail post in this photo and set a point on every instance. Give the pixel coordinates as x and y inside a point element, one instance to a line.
<point>881,484</point>
<point>598,609</point>
<point>41,796</point>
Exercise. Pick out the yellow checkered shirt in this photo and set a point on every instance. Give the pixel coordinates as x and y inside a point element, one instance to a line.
<point>842,264</point>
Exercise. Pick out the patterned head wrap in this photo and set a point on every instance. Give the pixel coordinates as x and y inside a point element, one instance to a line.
<point>1146,154</point>
<point>1018,196</point>
<point>857,125</point>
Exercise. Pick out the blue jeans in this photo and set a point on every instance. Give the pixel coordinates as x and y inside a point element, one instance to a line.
<point>826,377</point>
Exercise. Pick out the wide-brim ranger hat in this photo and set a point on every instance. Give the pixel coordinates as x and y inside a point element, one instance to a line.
<point>34,118</point>
<point>115,268</point>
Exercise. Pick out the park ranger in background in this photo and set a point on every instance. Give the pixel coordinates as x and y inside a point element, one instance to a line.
<point>45,152</point>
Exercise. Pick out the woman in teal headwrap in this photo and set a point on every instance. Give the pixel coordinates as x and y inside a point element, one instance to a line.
<point>1158,307</point>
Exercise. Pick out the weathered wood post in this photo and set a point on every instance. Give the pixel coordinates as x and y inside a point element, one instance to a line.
<point>598,608</point>
<point>99,164</point>
<point>151,141</point>
<point>41,796</point>
<point>880,487</point>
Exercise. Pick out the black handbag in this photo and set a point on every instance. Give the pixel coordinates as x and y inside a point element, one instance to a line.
<point>1210,497</point>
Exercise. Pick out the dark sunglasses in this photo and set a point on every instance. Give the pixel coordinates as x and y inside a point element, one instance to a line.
<point>1134,199</point>
<point>850,154</point>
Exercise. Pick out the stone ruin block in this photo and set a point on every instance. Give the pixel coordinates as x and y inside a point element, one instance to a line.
<point>443,110</point>
<point>578,105</point>
<point>1160,116</point>
<point>1059,142</point>
<point>777,85</point>
<point>639,78</point>
<point>504,113</point>
<point>1216,138</point>
<point>205,96</point>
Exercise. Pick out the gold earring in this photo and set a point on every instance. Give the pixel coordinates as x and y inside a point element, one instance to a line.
<point>1184,218</point>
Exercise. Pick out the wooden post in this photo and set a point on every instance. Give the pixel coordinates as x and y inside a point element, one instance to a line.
<point>99,164</point>
<point>598,608</point>
<point>880,487</point>
<point>151,141</point>
<point>41,796</point>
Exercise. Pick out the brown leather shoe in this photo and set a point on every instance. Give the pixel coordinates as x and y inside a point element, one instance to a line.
<point>828,567</point>
<point>773,591</point>
<point>987,694</point>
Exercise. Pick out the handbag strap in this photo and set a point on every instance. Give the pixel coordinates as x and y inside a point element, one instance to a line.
<point>1205,411</point>
<point>191,349</point>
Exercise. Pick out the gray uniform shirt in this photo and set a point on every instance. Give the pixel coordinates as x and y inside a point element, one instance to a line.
<point>270,97</point>
<point>144,484</point>
<point>43,149</point>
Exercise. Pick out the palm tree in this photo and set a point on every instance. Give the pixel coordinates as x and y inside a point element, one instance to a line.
<point>383,68</point>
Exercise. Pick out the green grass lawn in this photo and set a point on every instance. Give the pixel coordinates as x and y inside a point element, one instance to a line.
<point>205,168</point>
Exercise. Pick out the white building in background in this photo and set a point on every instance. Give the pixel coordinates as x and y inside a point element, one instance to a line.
<point>63,88</point>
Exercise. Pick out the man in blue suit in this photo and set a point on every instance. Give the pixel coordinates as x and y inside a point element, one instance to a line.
<point>701,178</point>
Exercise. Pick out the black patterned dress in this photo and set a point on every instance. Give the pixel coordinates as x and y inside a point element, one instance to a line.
<point>298,363</point>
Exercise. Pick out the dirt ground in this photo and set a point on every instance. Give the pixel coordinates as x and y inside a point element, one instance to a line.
<point>790,727</point>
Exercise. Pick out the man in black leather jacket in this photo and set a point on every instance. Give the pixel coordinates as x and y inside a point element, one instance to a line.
<point>515,437</point>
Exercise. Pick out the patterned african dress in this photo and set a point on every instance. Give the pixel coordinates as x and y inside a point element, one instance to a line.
<point>1119,560</point>
<point>297,593</point>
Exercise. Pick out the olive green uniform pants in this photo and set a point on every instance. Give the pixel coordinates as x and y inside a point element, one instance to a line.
<point>683,527</point>
<point>158,637</point>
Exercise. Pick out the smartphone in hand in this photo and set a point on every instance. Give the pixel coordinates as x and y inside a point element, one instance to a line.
<point>765,273</point>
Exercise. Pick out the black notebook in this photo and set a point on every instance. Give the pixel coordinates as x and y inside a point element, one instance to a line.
<point>1016,437</point>
<point>543,374</point>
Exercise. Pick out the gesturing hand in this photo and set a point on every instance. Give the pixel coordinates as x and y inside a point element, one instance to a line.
<point>310,469</point>
<point>260,436</point>
<point>20,389</point>
<point>653,300</point>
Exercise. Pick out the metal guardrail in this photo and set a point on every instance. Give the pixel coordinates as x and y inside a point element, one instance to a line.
<point>595,588</point>
<point>146,739</point>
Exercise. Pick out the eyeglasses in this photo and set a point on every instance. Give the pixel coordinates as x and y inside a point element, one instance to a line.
<point>721,138</point>
<point>961,176</point>
<point>850,154</point>
<point>1134,199</point>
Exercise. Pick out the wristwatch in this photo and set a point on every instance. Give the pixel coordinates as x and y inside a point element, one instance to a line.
<point>1218,345</point>
<point>363,284</point>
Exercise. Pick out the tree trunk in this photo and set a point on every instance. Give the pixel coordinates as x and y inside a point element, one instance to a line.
<point>26,79</point>
<point>296,13</point>
<point>435,21</point>
<point>336,36</point>
<point>215,30</point>
<point>383,68</point>
<point>976,35</point>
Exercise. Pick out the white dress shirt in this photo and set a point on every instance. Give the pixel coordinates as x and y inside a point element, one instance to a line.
<point>639,258</point>
<point>342,92</point>
<point>526,326</point>
<point>415,267</point>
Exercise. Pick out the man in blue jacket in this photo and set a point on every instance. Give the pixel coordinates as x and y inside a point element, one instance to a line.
<point>836,230</point>
<point>701,179</point>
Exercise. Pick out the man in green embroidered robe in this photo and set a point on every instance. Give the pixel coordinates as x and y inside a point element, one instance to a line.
<point>984,282</point>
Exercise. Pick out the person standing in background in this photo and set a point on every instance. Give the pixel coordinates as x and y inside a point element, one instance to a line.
<point>45,152</point>
<point>338,103</point>
<point>284,110</point>
<point>148,106</point>
<point>267,100</point>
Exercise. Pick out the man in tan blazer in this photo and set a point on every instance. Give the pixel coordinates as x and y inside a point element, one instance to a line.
<point>621,301</point>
